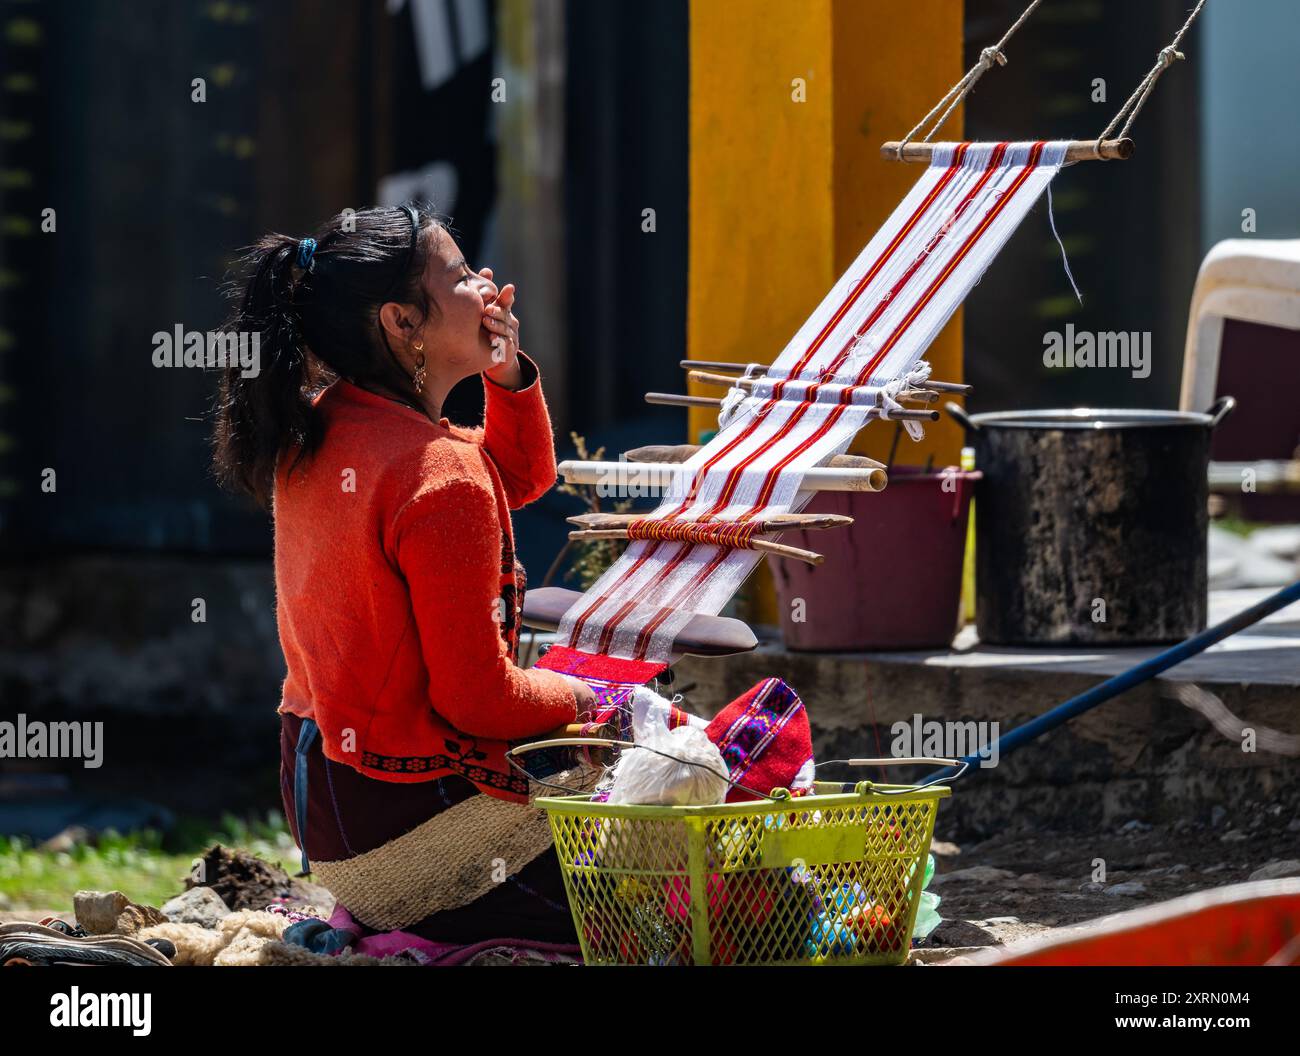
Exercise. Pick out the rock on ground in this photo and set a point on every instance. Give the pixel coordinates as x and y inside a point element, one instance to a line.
<point>198,905</point>
<point>112,913</point>
<point>1277,870</point>
<point>975,874</point>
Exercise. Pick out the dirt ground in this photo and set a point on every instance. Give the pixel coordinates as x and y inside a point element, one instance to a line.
<point>1012,886</point>
<point>1016,885</point>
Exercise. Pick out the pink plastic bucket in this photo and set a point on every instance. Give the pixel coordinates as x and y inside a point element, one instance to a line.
<point>891,579</point>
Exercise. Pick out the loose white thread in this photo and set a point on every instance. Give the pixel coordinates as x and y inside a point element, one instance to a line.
<point>1051,219</point>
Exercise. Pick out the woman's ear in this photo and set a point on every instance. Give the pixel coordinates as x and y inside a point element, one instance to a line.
<point>398,322</point>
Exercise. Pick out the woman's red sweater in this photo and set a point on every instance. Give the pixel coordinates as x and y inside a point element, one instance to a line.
<point>395,584</point>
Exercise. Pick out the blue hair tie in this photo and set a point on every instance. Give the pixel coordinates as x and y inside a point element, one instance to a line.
<point>305,249</point>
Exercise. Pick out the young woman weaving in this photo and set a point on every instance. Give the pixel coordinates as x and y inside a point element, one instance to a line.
<point>398,593</point>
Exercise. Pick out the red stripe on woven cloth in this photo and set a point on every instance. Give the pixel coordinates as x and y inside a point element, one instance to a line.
<point>774,472</point>
<point>960,254</point>
<point>607,632</point>
<point>581,622</point>
<point>995,159</point>
<point>954,165</point>
<point>807,355</point>
<point>566,661</point>
<point>1002,202</point>
<point>683,599</point>
<point>734,477</point>
<point>735,474</point>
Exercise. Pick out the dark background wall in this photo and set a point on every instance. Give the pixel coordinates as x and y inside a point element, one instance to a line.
<point>310,105</point>
<point>313,106</point>
<point>627,142</point>
<point>1131,229</point>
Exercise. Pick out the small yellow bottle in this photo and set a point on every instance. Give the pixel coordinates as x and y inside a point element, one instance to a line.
<point>968,563</point>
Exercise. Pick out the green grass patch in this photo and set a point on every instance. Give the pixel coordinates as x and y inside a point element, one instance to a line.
<point>144,865</point>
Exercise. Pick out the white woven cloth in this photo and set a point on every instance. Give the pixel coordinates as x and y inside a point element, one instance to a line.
<point>867,335</point>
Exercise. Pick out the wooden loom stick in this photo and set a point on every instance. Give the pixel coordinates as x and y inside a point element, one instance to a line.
<point>919,395</point>
<point>739,368</point>
<point>718,364</point>
<point>1078,150</point>
<point>765,546</point>
<point>672,399</point>
<point>708,378</point>
<point>579,729</point>
<point>681,452</point>
<point>660,475</point>
<point>774,522</point>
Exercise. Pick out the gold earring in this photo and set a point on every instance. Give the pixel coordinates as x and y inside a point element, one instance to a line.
<point>418,376</point>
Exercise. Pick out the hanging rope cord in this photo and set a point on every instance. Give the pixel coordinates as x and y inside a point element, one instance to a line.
<point>995,55</point>
<point>1167,57</point>
<point>962,88</point>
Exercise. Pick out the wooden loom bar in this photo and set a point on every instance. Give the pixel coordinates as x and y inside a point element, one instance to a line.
<point>1077,150</point>
<point>582,729</point>
<point>920,395</point>
<point>660,475</point>
<point>681,452</point>
<point>718,364</point>
<point>739,368</point>
<point>775,522</point>
<point>672,399</point>
<point>763,545</point>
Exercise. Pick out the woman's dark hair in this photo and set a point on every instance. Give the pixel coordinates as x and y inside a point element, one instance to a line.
<point>315,322</point>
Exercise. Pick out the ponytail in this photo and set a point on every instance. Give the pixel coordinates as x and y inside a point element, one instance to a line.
<point>258,417</point>
<point>315,304</point>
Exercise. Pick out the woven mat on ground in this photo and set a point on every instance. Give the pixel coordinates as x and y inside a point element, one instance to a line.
<point>252,938</point>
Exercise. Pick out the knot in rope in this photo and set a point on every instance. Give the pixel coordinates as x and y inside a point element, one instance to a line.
<point>731,403</point>
<point>889,397</point>
<point>989,57</point>
<point>1168,55</point>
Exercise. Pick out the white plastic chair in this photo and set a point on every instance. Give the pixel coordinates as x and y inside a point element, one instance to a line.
<point>1253,280</point>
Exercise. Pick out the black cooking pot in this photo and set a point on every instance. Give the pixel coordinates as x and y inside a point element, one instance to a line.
<point>1090,524</point>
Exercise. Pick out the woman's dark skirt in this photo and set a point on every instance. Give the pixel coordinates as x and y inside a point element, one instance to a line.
<point>349,814</point>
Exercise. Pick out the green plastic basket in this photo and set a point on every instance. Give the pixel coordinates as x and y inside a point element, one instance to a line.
<point>829,878</point>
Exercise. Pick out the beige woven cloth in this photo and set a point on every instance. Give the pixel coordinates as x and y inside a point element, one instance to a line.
<point>447,862</point>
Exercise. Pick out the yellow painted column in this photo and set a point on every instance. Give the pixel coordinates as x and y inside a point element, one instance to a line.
<point>789,106</point>
<point>762,202</point>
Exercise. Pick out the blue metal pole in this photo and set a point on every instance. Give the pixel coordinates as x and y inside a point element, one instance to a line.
<point>1126,680</point>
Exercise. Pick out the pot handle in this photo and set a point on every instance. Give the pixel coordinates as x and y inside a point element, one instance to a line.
<point>1220,409</point>
<point>959,414</point>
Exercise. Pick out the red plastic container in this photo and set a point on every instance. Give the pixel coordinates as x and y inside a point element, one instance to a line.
<point>891,579</point>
